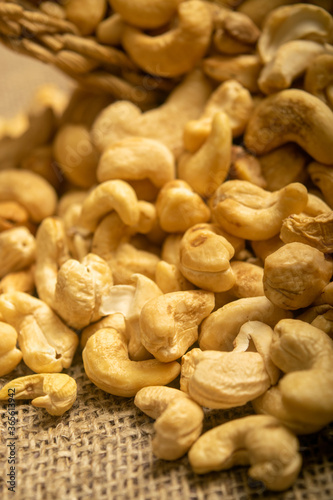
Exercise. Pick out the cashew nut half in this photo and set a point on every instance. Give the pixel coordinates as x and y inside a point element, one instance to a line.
<point>56,392</point>
<point>259,441</point>
<point>107,365</point>
<point>291,115</point>
<point>178,420</point>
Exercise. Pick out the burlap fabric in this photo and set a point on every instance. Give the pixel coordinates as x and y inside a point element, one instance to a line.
<point>101,449</point>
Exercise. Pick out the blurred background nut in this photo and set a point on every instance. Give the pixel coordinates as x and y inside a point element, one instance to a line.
<point>322,176</point>
<point>295,275</point>
<point>205,258</point>
<point>319,78</point>
<point>146,13</point>
<point>110,30</point>
<point>19,281</point>
<point>10,356</point>
<point>244,68</point>
<point>12,214</point>
<point>179,207</point>
<point>85,14</point>
<point>40,161</point>
<point>17,250</point>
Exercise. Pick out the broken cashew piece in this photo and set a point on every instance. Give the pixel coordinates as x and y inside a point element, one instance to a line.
<point>280,118</point>
<point>56,392</point>
<point>177,51</point>
<point>10,356</point>
<point>107,365</point>
<point>169,323</point>
<point>178,420</point>
<point>257,440</point>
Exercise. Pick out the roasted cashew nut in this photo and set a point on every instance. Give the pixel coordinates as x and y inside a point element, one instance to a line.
<point>10,356</point>
<point>17,250</point>
<point>259,441</point>
<point>107,365</point>
<point>314,231</point>
<point>178,420</point>
<point>56,392</point>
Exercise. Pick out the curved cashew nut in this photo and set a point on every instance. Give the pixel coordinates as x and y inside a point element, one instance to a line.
<point>205,258</point>
<point>178,420</point>
<point>319,78</point>
<point>136,158</point>
<point>228,379</point>
<point>248,211</point>
<point>179,207</point>
<point>56,392</point>
<point>107,365</point>
<point>10,356</point>
<point>177,51</point>
<point>110,195</point>
<point>17,250</point>
<point>114,320</point>
<point>231,98</point>
<point>206,169</point>
<point>146,13</point>
<point>305,354</point>
<point>220,329</point>
<point>295,275</point>
<point>258,440</point>
<point>290,61</point>
<point>314,231</point>
<point>169,323</point>
<point>30,190</point>
<point>291,115</point>
<point>294,22</point>
<point>46,343</point>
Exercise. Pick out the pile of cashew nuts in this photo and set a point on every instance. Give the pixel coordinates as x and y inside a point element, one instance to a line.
<point>187,244</point>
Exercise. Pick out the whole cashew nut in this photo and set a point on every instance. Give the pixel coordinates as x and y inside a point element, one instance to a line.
<point>178,420</point>
<point>259,441</point>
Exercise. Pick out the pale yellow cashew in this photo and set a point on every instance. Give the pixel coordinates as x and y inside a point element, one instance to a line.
<point>107,365</point>
<point>19,281</point>
<point>114,320</point>
<point>56,392</point>
<point>30,190</point>
<point>169,323</point>
<point>281,118</point>
<point>295,275</point>
<point>220,329</point>
<point>129,260</point>
<point>47,344</point>
<point>228,379</point>
<point>146,13</point>
<point>17,250</point>
<point>206,169</point>
<point>204,258</point>
<point>10,356</point>
<point>115,195</point>
<point>248,211</point>
<point>169,278</point>
<point>304,353</point>
<point>137,158</point>
<point>175,52</point>
<point>259,441</point>
<point>178,420</point>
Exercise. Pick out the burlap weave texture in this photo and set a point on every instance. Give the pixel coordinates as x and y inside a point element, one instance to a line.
<point>101,448</point>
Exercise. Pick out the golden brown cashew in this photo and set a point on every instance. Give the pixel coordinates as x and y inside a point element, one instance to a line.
<point>169,278</point>
<point>30,190</point>
<point>146,13</point>
<point>110,30</point>
<point>248,280</point>
<point>169,323</point>
<point>56,392</point>
<point>85,14</point>
<point>314,231</point>
<point>250,212</point>
<point>47,344</point>
<point>231,98</point>
<point>295,275</point>
<point>12,214</point>
<point>137,158</point>
<point>319,78</point>
<point>107,365</point>
<point>179,207</point>
<point>17,250</point>
<point>258,11</point>
<point>246,167</point>
<point>175,52</point>
<point>259,441</point>
<point>291,115</point>
<point>10,356</point>
<point>205,258</point>
<point>228,379</point>
<point>294,22</point>
<point>304,353</point>
<point>206,169</point>
<point>220,329</point>
<point>115,195</point>
<point>244,68</point>
<point>178,420</point>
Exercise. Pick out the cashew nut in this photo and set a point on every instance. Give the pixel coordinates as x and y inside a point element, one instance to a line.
<point>10,356</point>
<point>12,214</point>
<point>169,323</point>
<point>114,320</point>
<point>322,176</point>
<point>314,231</point>
<point>146,13</point>
<point>291,115</point>
<point>85,14</point>
<point>56,392</point>
<point>259,441</point>
<point>178,420</point>
<point>244,68</point>
<point>319,78</point>
<point>107,365</point>
<point>246,167</point>
<point>19,281</point>
<point>17,250</point>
